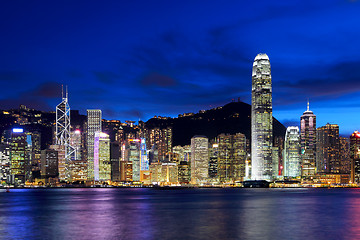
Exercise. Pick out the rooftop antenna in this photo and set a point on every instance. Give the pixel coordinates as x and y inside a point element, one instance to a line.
<point>66,92</point>
<point>308,107</point>
<point>62,91</point>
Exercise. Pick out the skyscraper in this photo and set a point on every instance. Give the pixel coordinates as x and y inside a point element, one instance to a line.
<point>93,126</point>
<point>292,161</point>
<point>63,134</point>
<point>308,142</point>
<point>345,155</point>
<point>261,119</point>
<point>355,157</point>
<point>199,159</point>
<point>231,157</point>
<point>328,149</point>
<point>20,156</point>
<point>102,166</point>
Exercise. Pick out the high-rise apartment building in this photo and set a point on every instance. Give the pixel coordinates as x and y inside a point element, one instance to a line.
<point>308,142</point>
<point>292,160</point>
<point>261,119</point>
<point>328,149</point>
<point>199,159</point>
<point>93,126</point>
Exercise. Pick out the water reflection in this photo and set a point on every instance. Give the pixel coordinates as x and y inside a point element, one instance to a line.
<point>180,214</point>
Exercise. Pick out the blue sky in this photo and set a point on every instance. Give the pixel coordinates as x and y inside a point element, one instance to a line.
<point>137,59</point>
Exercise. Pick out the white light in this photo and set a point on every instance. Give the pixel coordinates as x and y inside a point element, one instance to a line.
<point>18,130</point>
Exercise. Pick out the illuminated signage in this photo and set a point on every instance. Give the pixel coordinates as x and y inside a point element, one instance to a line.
<point>18,130</point>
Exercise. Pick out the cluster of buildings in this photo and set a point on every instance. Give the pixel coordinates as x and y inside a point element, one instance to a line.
<point>316,156</point>
<point>101,152</point>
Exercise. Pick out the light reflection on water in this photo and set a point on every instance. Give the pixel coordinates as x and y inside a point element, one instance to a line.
<point>180,214</point>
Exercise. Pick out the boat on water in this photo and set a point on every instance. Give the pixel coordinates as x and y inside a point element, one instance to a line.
<point>256,184</point>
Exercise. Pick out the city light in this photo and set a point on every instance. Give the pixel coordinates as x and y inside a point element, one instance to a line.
<point>17,130</point>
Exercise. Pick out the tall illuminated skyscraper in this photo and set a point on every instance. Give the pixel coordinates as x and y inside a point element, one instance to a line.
<point>62,135</point>
<point>355,157</point>
<point>102,166</point>
<point>20,156</point>
<point>308,142</point>
<point>292,161</point>
<point>261,119</point>
<point>199,159</point>
<point>328,149</point>
<point>93,126</point>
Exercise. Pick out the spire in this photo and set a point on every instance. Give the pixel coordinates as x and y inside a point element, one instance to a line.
<point>66,92</point>
<point>308,106</point>
<point>62,91</point>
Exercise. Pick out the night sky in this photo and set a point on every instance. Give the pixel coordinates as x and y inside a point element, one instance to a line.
<point>137,59</point>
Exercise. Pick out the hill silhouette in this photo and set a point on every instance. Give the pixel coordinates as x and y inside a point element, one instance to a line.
<point>234,117</point>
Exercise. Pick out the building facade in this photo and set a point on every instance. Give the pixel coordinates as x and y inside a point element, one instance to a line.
<point>199,159</point>
<point>93,126</point>
<point>328,149</point>
<point>308,142</point>
<point>261,119</point>
<point>292,160</point>
<point>355,157</point>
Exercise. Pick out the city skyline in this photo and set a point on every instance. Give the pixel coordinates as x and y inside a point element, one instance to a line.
<point>143,59</point>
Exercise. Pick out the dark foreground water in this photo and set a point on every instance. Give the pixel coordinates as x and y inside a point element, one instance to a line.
<point>180,214</point>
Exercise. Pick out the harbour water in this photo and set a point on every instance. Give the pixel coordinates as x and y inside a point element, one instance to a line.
<point>145,213</point>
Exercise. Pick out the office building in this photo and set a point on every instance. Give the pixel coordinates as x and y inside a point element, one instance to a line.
<point>308,142</point>
<point>61,156</point>
<point>213,160</point>
<point>199,160</point>
<point>49,164</point>
<point>5,174</point>
<point>355,157</point>
<point>20,156</point>
<point>102,166</point>
<point>231,157</point>
<point>328,149</point>
<point>93,126</point>
<point>345,161</point>
<point>261,119</point>
<point>292,160</point>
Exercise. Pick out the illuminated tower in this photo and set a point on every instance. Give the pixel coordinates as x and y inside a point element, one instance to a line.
<point>93,126</point>
<point>261,119</point>
<point>345,155</point>
<point>328,149</point>
<point>102,166</point>
<point>199,159</point>
<point>308,142</point>
<point>355,157</point>
<point>292,162</point>
<point>20,156</point>
<point>231,157</point>
<point>63,135</point>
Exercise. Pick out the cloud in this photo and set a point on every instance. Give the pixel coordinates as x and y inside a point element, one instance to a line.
<point>38,98</point>
<point>132,113</point>
<point>48,90</point>
<point>156,79</point>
